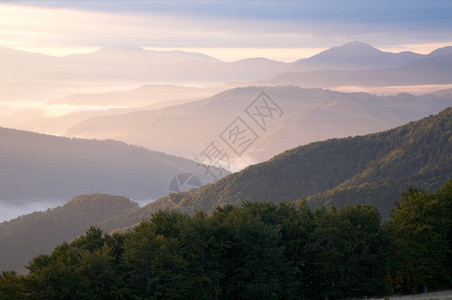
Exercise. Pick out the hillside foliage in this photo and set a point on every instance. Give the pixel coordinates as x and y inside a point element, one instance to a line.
<point>372,169</point>
<point>257,251</point>
<point>23,238</point>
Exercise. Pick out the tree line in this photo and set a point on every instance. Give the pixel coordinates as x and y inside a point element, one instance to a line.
<point>256,251</point>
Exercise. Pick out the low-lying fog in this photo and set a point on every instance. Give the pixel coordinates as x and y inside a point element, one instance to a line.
<point>11,210</point>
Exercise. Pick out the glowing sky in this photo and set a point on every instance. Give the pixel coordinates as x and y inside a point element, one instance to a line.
<point>229,30</point>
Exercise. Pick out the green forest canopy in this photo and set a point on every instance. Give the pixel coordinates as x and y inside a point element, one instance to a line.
<point>256,251</point>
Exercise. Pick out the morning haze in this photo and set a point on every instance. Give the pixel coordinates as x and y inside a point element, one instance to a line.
<point>225,150</point>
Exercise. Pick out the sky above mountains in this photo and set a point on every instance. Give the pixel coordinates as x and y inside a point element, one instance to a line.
<point>229,30</point>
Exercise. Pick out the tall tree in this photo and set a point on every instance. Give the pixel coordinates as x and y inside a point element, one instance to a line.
<point>154,268</point>
<point>420,224</point>
<point>349,250</point>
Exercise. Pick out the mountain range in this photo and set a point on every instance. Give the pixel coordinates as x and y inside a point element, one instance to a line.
<point>433,69</point>
<point>29,76</point>
<point>308,115</point>
<point>372,169</point>
<point>136,64</point>
<point>359,64</point>
<point>354,56</point>
<point>56,95</point>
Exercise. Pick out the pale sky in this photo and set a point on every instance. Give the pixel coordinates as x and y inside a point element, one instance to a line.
<point>228,30</point>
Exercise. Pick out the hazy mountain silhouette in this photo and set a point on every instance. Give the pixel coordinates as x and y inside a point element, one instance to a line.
<point>36,168</point>
<point>121,67</point>
<point>353,56</point>
<point>87,105</point>
<point>30,76</point>
<point>134,53</point>
<point>435,69</point>
<point>309,115</point>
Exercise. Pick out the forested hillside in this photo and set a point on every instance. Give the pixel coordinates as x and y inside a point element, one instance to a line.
<point>25,237</point>
<point>257,251</point>
<point>371,169</point>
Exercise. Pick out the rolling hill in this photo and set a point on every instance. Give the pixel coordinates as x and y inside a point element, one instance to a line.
<point>36,168</point>
<point>27,236</point>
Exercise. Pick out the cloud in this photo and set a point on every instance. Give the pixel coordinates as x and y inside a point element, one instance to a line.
<point>416,12</point>
<point>24,26</point>
<point>222,24</point>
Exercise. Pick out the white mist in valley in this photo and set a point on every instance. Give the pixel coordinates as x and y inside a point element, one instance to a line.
<point>10,210</point>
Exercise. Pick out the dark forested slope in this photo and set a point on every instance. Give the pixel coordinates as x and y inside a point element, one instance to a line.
<point>25,237</point>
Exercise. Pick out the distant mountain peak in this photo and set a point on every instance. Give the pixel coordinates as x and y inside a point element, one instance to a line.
<point>260,58</point>
<point>355,55</point>
<point>350,50</point>
<point>121,48</point>
<point>357,44</point>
